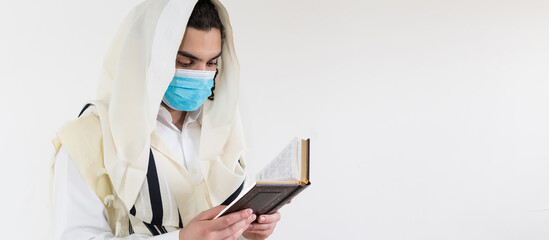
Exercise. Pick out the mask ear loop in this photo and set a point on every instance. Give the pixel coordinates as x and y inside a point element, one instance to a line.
<point>211,97</point>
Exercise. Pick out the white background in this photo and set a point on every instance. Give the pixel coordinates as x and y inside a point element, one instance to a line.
<point>428,119</point>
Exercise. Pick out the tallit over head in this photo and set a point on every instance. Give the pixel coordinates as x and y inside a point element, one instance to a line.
<point>137,70</point>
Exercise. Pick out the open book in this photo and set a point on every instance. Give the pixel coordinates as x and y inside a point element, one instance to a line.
<point>282,179</point>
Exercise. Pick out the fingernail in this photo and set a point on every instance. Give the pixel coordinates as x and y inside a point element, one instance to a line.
<point>262,219</point>
<point>249,211</point>
<point>252,218</point>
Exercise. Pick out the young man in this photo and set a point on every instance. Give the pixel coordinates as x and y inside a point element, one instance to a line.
<point>161,148</point>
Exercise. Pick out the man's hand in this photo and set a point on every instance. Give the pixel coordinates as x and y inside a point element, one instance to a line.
<point>228,227</point>
<point>263,228</point>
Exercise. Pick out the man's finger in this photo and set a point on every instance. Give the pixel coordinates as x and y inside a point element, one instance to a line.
<point>210,213</point>
<point>237,228</point>
<point>261,232</point>
<point>230,219</point>
<point>271,218</point>
<point>261,227</point>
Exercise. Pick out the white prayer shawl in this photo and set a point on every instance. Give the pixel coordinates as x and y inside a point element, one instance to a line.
<point>137,70</point>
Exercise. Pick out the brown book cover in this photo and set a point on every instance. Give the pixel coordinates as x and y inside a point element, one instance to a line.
<point>268,197</point>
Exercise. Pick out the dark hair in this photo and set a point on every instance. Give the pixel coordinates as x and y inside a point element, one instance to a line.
<point>205,17</point>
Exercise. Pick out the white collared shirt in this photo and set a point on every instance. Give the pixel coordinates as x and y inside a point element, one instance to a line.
<point>184,143</point>
<point>77,211</point>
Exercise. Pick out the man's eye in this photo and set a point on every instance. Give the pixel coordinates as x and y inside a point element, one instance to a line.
<point>184,64</point>
<point>211,64</point>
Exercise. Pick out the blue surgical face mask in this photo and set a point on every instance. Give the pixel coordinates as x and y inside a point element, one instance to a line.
<point>189,89</point>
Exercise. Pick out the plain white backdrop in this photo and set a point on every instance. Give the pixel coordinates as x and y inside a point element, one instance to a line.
<point>428,119</point>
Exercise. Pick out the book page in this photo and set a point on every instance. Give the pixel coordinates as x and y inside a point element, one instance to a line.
<point>284,167</point>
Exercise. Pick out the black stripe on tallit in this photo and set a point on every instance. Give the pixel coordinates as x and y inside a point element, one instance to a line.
<point>163,229</point>
<point>151,228</point>
<point>154,192</point>
<point>132,211</point>
<point>160,229</point>
<point>131,228</point>
<point>84,109</point>
<point>180,222</point>
<point>233,196</point>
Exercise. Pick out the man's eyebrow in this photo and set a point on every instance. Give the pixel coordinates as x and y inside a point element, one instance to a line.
<point>218,55</point>
<point>193,57</point>
<point>186,54</point>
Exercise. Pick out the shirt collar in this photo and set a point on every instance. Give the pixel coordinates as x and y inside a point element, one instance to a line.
<point>165,117</point>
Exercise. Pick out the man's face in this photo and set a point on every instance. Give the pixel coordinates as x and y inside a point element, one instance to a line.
<point>199,50</point>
